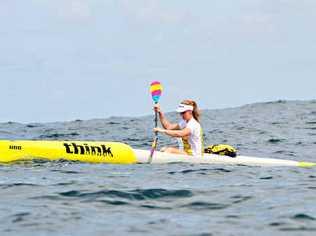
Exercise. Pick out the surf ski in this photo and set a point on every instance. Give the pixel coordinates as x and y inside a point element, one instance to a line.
<point>119,153</point>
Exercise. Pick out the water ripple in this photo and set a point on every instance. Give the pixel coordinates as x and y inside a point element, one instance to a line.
<point>14,185</point>
<point>303,217</point>
<point>20,217</point>
<point>300,228</point>
<point>199,205</point>
<point>138,194</point>
<point>201,171</point>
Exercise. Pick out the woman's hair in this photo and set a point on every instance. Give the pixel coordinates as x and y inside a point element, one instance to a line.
<point>196,111</point>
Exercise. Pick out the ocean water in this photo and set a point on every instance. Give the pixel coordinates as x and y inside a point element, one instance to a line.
<point>71,198</point>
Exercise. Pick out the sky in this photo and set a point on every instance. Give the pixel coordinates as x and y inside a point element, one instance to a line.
<point>63,60</point>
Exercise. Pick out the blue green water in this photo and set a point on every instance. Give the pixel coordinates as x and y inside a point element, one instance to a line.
<point>67,198</point>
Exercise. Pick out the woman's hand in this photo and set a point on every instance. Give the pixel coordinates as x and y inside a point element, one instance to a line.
<point>157,108</point>
<point>160,130</point>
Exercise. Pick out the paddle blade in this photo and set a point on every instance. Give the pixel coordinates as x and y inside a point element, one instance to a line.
<point>155,90</point>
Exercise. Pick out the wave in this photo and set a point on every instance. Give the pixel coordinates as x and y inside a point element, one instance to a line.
<point>137,194</point>
<point>205,206</point>
<point>6,186</point>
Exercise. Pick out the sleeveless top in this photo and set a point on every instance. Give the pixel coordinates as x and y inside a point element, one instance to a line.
<point>192,144</point>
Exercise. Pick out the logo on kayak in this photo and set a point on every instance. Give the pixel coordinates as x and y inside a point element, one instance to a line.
<point>86,149</point>
<point>14,147</point>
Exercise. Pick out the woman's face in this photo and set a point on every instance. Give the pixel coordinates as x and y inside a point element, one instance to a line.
<point>186,115</point>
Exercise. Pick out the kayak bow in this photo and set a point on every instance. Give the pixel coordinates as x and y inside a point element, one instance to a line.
<point>84,151</point>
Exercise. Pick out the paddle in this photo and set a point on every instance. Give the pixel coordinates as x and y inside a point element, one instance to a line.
<point>155,90</point>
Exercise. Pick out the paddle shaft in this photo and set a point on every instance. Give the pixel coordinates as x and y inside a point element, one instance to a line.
<point>156,120</point>
<point>155,142</point>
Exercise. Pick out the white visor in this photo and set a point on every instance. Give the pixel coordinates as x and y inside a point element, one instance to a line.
<point>184,107</point>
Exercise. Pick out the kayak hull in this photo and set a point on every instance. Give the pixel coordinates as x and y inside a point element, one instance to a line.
<point>119,153</point>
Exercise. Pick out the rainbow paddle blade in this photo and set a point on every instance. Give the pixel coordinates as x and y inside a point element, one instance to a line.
<point>156,90</point>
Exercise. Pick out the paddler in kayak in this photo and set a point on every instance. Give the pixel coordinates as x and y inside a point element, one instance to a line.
<point>188,129</point>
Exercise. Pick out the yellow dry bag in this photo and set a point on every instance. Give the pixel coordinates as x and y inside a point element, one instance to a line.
<point>221,149</point>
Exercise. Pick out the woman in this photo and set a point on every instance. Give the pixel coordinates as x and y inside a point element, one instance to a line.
<point>188,129</point>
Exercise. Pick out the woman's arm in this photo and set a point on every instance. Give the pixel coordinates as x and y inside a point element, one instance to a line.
<point>174,133</point>
<point>166,124</point>
<point>163,120</point>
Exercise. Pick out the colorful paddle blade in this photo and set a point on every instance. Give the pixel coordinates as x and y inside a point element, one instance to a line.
<point>156,90</point>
